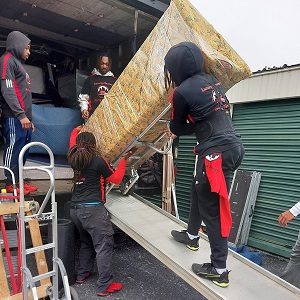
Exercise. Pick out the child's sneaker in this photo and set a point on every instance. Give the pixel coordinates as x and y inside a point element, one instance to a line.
<point>182,237</point>
<point>209,272</point>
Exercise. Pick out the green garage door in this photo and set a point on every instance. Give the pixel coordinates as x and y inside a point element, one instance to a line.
<point>185,174</point>
<point>270,131</point>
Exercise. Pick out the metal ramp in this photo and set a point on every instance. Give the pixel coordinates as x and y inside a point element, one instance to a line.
<point>150,227</point>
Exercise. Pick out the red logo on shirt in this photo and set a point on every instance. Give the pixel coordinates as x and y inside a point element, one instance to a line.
<point>102,90</point>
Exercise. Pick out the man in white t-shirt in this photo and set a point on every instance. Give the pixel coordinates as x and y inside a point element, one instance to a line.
<point>292,270</point>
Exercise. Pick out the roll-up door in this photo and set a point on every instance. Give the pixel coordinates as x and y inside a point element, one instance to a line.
<point>185,174</point>
<point>270,132</point>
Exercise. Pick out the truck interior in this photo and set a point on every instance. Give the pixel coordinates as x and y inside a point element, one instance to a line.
<point>67,35</point>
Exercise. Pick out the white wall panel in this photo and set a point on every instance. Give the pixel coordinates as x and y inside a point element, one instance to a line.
<point>268,85</point>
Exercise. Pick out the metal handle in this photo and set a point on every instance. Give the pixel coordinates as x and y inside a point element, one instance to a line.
<point>169,145</point>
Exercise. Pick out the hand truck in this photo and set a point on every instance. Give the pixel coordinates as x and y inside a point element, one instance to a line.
<point>145,150</point>
<point>29,213</point>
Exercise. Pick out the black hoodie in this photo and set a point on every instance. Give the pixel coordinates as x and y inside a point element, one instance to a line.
<point>16,100</point>
<point>199,103</point>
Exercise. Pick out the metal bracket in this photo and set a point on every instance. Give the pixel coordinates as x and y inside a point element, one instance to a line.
<point>128,185</point>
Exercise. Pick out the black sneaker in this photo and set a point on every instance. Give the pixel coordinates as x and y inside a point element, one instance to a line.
<point>209,272</point>
<point>182,237</point>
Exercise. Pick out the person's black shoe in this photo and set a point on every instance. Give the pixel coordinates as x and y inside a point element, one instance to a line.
<point>209,272</point>
<point>182,237</point>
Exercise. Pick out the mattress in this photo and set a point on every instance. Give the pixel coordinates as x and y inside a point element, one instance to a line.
<point>136,109</point>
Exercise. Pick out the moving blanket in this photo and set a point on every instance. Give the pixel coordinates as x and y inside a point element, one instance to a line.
<point>139,95</point>
<point>53,126</point>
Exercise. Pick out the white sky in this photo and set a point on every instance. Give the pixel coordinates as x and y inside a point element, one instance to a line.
<point>265,33</point>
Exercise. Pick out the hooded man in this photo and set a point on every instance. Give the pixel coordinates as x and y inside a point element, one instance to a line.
<point>200,107</point>
<point>96,86</point>
<point>16,105</point>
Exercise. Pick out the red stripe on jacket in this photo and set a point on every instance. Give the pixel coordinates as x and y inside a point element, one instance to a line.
<point>5,60</point>
<point>19,95</point>
<point>102,188</point>
<point>172,104</point>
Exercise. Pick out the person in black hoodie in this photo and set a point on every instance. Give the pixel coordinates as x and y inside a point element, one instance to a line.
<point>200,107</point>
<point>16,105</point>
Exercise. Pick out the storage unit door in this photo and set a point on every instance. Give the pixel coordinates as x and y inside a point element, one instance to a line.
<point>270,132</point>
<point>185,174</point>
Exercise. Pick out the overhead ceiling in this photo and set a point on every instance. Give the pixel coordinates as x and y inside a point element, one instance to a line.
<point>78,26</point>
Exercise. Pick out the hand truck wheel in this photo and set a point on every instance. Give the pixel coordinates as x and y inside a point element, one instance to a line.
<point>34,206</point>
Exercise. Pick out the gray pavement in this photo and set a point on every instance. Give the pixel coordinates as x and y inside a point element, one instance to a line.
<point>142,275</point>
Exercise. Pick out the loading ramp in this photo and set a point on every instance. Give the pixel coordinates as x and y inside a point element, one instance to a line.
<point>150,226</point>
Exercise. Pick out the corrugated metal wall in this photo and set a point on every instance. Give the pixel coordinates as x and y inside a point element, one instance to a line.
<point>281,83</point>
<point>185,174</point>
<point>271,134</point>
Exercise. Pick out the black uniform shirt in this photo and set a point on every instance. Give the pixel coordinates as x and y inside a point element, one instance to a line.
<point>96,86</point>
<point>91,186</point>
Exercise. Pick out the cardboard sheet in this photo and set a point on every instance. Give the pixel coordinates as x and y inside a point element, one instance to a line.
<point>139,95</point>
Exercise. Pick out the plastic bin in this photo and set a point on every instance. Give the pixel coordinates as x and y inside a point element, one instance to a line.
<point>65,247</point>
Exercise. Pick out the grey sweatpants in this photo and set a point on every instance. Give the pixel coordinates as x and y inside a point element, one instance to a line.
<point>292,270</point>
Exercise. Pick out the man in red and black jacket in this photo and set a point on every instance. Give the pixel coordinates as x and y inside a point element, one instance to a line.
<point>16,105</point>
<point>88,212</point>
<point>96,86</point>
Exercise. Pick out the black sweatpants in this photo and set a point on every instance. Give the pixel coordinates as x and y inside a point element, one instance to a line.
<point>96,236</point>
<point>205,205</point>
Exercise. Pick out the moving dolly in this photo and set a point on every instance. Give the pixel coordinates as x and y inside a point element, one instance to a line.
<point>144,151</point>
<point>29,213</point>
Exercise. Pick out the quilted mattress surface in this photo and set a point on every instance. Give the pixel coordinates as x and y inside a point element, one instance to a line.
<point>139,95</point>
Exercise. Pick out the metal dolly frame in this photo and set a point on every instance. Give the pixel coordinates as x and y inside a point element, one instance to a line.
<point>150,148</point>
<point>32,217</point>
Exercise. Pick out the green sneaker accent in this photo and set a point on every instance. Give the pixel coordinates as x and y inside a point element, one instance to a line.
<point>192,247</point>
<point>209,272</point>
